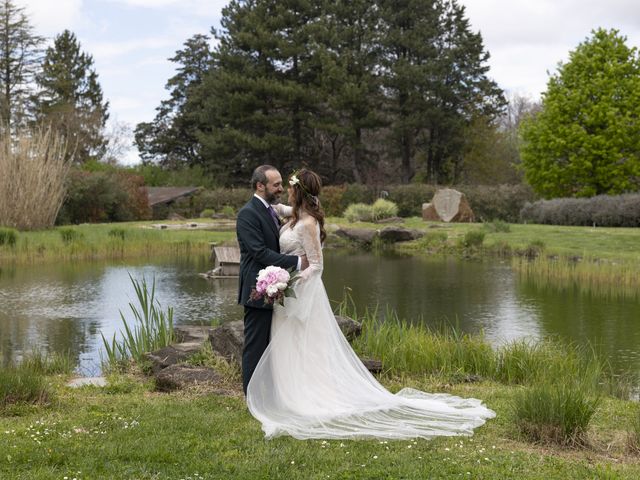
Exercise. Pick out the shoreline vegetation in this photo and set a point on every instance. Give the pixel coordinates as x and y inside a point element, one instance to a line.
<point>561,412</point>
<point>597,260</point>
<point>559,415</point>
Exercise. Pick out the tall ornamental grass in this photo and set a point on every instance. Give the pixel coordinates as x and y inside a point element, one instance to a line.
<point>34,167</point>
<point>150,330</point>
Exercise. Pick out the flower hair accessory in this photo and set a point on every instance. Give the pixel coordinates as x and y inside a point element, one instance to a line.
<point>294,180</point>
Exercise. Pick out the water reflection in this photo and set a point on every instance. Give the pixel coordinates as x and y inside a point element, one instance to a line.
<point>67,307</point>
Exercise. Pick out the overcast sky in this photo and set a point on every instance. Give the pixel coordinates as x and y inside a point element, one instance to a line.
<point>131,40</point>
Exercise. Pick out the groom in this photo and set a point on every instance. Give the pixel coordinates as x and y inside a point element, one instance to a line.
<point>257,230</point>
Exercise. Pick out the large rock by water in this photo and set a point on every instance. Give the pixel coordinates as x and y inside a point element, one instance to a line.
<point>360,235</point>
<point>399,234</point>
<point>450,205</point>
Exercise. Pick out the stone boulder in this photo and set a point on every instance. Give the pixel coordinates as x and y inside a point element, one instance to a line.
<point>227,340</point>
<point>178,377</point>
<point>429,213</point>
<point>171,355</point>
<point>191,333</point>
<point>374,366</point>
<point>399,234</point>
<point>350,328</point>
<point>452,206</point>
<point>360,235</point>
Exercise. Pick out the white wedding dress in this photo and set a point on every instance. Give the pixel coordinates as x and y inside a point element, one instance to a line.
<point>310,383</point>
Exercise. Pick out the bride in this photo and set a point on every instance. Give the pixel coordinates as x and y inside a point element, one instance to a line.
<point>310,383</point>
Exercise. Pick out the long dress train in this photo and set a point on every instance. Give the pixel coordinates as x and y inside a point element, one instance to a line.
<point>310,383</point>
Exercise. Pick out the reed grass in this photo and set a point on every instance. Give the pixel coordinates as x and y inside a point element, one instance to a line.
<point>556,412</point>
<point>150,330</point>
<point>8,236</point>
<point>604,278</point>
<point>55,363</point>
<point>34,166</point>
<point>26,382</point>
<point>97,242</point>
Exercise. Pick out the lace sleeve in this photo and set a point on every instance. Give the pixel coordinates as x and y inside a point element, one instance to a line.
<point>283,210</point>
<point>310,239</point>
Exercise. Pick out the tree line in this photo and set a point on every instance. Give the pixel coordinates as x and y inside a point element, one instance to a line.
<point>371,92</point>
<point>56,87</point>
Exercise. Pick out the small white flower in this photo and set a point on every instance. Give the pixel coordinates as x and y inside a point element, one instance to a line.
<point>294,180</point>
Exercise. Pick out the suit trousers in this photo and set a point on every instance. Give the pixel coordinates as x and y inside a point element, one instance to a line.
<point>257,331</point>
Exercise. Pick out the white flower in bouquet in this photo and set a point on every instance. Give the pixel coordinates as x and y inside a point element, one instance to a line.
<point>273,284</point>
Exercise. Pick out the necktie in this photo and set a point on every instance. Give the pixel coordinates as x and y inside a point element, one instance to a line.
<point>274,216</point>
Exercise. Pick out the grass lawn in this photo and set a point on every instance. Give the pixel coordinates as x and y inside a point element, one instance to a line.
<point>126,431</point>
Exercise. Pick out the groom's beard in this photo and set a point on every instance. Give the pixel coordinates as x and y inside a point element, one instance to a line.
<point>271,197</point>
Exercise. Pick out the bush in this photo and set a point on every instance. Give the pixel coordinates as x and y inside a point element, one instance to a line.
<point>69,235</point>
<point>497,226</point>
<point>409,198</point>
<point>207,213</point>
<point>473,239</point>
<point>118,233</point>
<point>331,199</point>
<point>383,209</point>
<point>8,236</point>
<point>104,197</point>
<point>602,210</point>
<point>216,200</point>
<point>359,212</point>
<point>500,202</point>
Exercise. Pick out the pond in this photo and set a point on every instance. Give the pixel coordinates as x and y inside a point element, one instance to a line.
<point>66,307</point>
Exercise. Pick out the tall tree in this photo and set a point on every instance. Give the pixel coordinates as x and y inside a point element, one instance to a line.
<point>71,99</point>
<point>171,138</point>
<point>586,139</point>
<point>435,74</point>
<point>351,91</point>
<point>20,56</point>
<point>260,95</point>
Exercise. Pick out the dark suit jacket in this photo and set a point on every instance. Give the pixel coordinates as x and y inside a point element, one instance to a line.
<point>258,239</point>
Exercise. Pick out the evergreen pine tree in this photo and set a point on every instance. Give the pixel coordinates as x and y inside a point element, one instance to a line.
<point>20,56</point>
<point>70,97</point>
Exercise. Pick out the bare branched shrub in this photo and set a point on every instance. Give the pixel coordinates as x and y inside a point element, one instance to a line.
<point>33,170</point>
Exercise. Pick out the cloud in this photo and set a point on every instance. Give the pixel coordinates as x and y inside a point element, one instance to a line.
<point>52,17</point>
<point>107,50</point>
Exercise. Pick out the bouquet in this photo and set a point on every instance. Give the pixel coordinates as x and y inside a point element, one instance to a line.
<point>273,284</point>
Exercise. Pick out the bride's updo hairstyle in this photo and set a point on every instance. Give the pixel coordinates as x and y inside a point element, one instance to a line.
<point>306,188</point>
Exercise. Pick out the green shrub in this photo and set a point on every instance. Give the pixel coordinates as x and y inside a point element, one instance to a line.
<point>207,213</point>
<point>228,211</point>
<point>104,196</point>
<point>499,202</point>
<point>382,209</point>
<point>69,235</point>
<point>331,199</point>
<point>117,232</point>
<point>409,198</point>
<point>497,226</point>
<point>8,236</point>
<point>601,210</point>
<point>215,200</point>
<point>473,239</point>
<point>359,212</point>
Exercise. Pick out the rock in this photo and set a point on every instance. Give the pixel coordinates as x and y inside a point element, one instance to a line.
<point>175,216</point>
<point>374,366</point>
<point>191,333</point>
<point>176,353</point>
<point>429,213</point>
<point>227,340</point>
<point>360,235</point>
<point>82,381</point>
<point>350,328</point>
<point>178,377</point>
<point>452,206</point>
<point>399,234</point>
